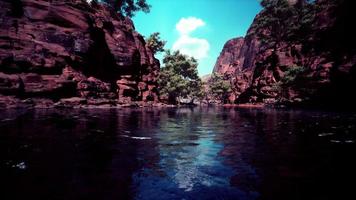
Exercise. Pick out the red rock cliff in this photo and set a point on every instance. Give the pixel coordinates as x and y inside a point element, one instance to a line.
<point>327,59</point>
<point>52,51</point>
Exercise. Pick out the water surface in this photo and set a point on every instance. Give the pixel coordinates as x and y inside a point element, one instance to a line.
<point>201,153</point>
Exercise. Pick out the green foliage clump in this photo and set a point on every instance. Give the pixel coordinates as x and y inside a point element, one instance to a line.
<point>155,43</point>
<point>128,7</point>
<point>291,74</point>
<point>289,79</point>
<point>283,21</point>
<point>179,78</point>
<point>219,87</point>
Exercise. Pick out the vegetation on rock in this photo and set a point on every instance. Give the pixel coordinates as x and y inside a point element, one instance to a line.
<point>128,7</point>
<point>285,21</point>
<point>155,43</point>
<point>292,76</point>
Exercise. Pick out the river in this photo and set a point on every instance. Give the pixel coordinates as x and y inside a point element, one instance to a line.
<point>200,153</point>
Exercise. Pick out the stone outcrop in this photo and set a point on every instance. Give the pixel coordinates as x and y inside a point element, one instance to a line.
<point>327,59</point>
<point>69,49</point>
<point>231,57</point>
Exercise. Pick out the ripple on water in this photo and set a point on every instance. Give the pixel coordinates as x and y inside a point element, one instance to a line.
<point>195,154</point>
<point>325,134</point>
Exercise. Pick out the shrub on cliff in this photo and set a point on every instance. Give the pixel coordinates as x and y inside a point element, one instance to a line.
<point>219,88</point>
<point>291,74</point>
<point>284,20</point>
<point>128,7</point>
<point>179,78</point>
<point>290,78</point>
<point>155,43</point>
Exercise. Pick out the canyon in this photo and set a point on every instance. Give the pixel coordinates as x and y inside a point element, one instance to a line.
<point>72,53</point>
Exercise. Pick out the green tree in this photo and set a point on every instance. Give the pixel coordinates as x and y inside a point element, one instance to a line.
<point>219,88</point>
<point>306,12</point>
<point>283,21</point>
<point>291,76</point>
<point>179,78</point>
<point>275,21</point>
<point>155,43</point>
<point>128,7</point>
<point>196,88</point>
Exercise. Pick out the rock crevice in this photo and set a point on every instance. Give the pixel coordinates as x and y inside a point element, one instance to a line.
<point>64,49</point>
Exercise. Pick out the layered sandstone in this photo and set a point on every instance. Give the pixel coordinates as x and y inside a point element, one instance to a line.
<point>56,50</point>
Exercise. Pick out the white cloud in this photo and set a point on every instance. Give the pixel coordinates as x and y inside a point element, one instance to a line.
<point>188,45</point>
<point>194,47</point>
<point>188,25</point>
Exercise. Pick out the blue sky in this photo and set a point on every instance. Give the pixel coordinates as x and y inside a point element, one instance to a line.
<point>198,28</point>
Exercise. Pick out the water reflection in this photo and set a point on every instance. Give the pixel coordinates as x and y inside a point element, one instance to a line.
<point>201,153</point>
<point>190,165</point>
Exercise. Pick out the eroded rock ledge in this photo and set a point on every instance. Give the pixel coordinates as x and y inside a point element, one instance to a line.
<point>70,52</point>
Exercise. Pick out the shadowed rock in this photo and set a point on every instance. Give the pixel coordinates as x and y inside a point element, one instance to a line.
<point>256,69</point>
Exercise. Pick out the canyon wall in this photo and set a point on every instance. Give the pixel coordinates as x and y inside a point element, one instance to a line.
<point>319,70</point>
<point>70,52</point>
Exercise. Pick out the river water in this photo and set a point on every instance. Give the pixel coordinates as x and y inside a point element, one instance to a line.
<point>200,153</point>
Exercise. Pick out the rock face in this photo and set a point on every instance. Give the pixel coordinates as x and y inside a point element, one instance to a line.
<point>231,57</point>
<point>325,62</point>
<point>70,49</point>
